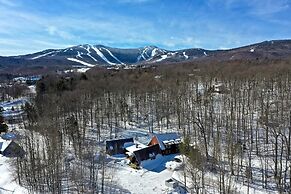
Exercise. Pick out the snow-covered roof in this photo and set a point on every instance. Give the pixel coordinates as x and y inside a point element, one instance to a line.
<point>4,144</point>
<point>135,147</point>
<point>167,138</point>
<point>172,141</point>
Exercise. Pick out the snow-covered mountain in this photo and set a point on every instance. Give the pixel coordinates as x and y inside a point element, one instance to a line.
<point>92,55</point>
<point>99,55</point>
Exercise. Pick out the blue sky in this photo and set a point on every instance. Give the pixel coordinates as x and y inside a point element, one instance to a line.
<point>32,25</point>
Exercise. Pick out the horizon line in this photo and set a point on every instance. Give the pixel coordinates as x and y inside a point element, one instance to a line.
<point>149,45</point>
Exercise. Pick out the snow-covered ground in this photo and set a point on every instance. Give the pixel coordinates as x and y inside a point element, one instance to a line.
<point>78,70</point>
<point>16,104</point>
<point>13,108</point>
<point>8,183</point>
<point>149,179</point>
<point>32,89</point>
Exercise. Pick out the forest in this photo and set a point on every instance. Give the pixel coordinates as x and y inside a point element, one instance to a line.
<point>236,115</point>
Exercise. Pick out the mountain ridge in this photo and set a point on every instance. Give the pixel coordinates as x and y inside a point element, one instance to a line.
<point>105,56</point>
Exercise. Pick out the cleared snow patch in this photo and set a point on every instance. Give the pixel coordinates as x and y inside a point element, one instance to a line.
<point>43,55</point>
<point>186,56</point>
<point>142,54</point>
<point>88,52</point>
<point>252,50</point>
<point>79,70</point>
<point>145,51</point>
<point>154,52</point>
<point>81,62</point>
<point>82,70</point>
<point>113,56</point>
<point>163,57</point>
<point>102,56</point>
<point>79,55</point>
<point>158,77</point>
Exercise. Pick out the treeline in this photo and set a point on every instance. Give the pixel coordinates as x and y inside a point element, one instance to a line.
<point>236,115</point>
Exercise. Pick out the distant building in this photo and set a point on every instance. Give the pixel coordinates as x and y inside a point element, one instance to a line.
<point>117,146</point>
<point>168,142</point>
<point>29,80</point>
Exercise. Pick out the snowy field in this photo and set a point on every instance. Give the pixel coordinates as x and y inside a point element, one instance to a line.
<point>153,174</point>
<point>149,179</point>
<point>7,181</point>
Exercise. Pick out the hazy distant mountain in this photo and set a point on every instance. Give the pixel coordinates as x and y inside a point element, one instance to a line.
<point>99,55</point>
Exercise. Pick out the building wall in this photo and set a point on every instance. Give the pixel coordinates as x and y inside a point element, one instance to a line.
<point>117,146</point>
<point>146,153</point>
<point>154,141</point>
<point>173,149</point>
